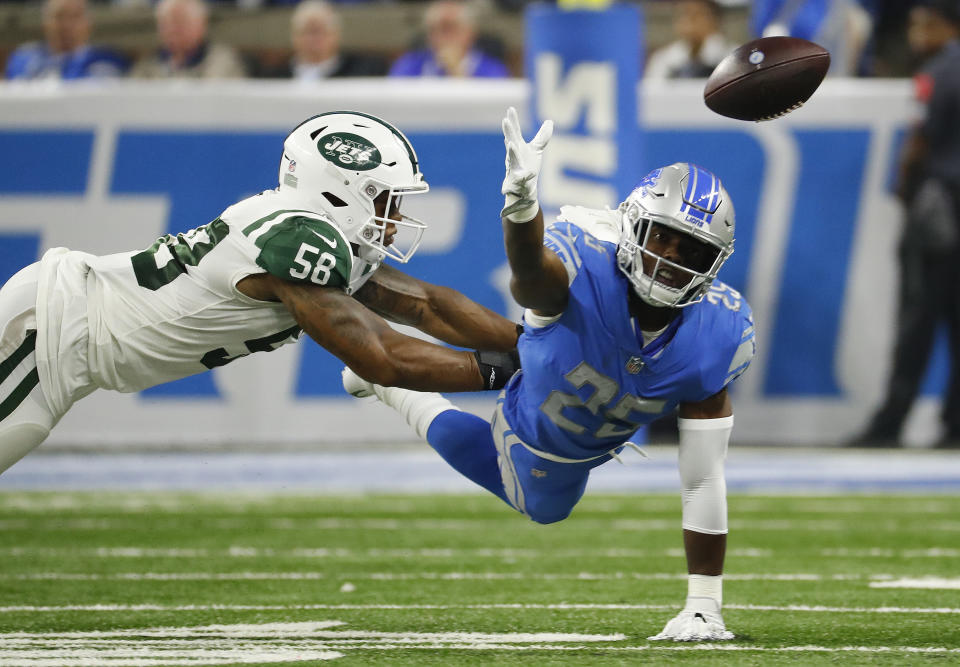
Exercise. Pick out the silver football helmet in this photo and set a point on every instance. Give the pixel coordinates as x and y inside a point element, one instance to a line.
<point>687,199</point>
<point>339,162</point>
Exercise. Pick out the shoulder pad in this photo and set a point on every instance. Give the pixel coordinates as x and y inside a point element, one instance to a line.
<point>602,224</point>
<point>302,247</point>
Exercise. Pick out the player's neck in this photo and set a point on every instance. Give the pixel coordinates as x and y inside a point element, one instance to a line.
<point>651,318</point>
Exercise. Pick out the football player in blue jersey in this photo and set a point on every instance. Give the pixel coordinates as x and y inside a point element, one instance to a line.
<point>625,323</point>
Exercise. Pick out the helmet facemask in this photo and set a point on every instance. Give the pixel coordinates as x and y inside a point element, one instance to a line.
<point>374,237</point>
<point>660,281</point>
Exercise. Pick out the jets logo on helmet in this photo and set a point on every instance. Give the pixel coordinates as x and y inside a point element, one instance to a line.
<point>344,161</point>
<point>683,198</point>
<point>349,151</point>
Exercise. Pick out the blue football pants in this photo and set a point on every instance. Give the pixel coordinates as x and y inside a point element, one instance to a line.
<point>544,490</point>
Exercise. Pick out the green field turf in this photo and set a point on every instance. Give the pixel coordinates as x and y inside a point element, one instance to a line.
<point>188,579</point>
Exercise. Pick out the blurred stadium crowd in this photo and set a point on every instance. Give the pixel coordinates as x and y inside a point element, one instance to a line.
<point>315,39</point>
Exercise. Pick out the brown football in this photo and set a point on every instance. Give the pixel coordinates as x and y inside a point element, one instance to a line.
<point>766,78</point>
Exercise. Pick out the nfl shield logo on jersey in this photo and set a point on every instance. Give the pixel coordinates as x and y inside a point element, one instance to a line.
<point>634,365</point>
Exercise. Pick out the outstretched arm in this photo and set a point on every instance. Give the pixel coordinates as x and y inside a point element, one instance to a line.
<point>439,311</point>
<point>366,343</point>
<point>704,432</point>
<point>539,280</point>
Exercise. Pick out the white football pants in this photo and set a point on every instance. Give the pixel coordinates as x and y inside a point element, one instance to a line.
<point>25,417</point>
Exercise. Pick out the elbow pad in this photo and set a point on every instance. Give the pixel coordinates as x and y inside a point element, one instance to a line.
<point>703,449</point>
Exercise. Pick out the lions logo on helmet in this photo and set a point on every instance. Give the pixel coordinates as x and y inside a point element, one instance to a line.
<point>343,161</point>
<point>687,199</point>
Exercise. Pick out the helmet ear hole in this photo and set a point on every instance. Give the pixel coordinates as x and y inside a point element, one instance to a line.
<point>334,199</point>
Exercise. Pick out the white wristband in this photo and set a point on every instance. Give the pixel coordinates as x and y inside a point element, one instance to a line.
<point>706,586</point>
<point>519,211</point>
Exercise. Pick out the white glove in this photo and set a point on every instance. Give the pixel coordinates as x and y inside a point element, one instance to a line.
<point>523,168</point>
<point>355,385</point>
<point>699,621</point>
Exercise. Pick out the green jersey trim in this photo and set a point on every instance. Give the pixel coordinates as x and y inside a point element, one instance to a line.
<point>168,258</point>
<point>254,226</point>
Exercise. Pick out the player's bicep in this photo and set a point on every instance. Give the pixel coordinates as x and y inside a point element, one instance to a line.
<point>714,407</point>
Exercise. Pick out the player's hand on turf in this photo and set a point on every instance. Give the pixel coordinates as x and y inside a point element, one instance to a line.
<point>523,168</point>
<point>355,385</point>
<point>700,621</point>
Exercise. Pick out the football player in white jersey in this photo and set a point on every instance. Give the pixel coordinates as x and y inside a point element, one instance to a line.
<point>303,257</point>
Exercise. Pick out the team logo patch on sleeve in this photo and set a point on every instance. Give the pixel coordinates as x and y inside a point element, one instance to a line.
<point>349,151</point>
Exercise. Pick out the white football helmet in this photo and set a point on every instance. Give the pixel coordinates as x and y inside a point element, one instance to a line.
<point>685,198</point>
<point>339,162</point>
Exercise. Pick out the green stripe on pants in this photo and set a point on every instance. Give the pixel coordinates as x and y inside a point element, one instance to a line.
<point>11,362</point>
<point>14,400</point>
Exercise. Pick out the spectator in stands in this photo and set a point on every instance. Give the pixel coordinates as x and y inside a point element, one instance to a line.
<point>315,34</point>
<point>842,27</point>
<point>66,53</point>
<point>185,51</point>
<point>929,253</point>
<point>451,29</point>
<point>699,47</point>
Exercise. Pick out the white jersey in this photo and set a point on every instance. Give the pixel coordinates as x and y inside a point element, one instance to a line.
<point>138,319</point>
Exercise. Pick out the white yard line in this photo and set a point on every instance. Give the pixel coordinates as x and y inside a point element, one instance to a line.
<point>243,501</point>
<point>505,606</point>
<point>48,524</point>
<point>304,630</point>
<point>121,656</point>
<point>206,652</point>
<point>340,552</point>
<point>415,576</point>
<point>932,552</point>
<point>239,551</point>
<point>274,641</point>
<point>935,583</point>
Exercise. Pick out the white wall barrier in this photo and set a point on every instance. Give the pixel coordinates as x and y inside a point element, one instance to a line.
<point>108,169</point>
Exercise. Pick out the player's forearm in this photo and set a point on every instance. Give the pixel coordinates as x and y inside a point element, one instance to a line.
<point>375,351</point>
<point>441,312</point>
<point>524,245</point>
<point>421,366</point>
<point>457,320</point>
<point>703,449</point>
<point>536,281</point>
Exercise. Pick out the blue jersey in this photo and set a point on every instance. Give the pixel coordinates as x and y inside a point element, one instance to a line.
<point>36,61</point>
<point>588,382</point>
